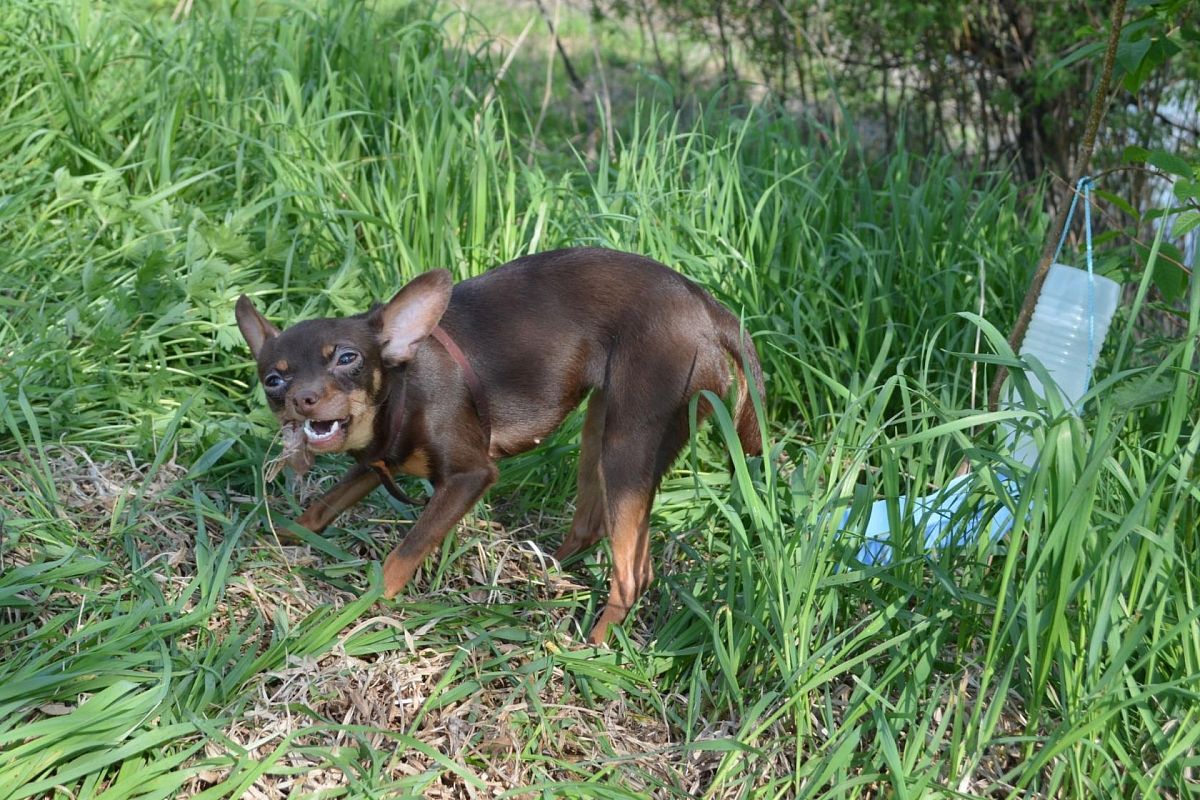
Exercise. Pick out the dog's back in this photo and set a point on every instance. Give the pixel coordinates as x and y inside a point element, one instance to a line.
<point>557,325</point>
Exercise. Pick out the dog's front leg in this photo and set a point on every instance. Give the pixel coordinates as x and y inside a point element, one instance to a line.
<point>450,502</point>
<point>357,483</point>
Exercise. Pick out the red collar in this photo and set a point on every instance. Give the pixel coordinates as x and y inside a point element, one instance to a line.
<point>474,386</point>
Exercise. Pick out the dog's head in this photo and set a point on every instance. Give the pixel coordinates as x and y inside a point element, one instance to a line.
<point>325,379</point>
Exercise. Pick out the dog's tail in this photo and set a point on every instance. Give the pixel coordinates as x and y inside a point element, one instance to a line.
<point>740,346</point>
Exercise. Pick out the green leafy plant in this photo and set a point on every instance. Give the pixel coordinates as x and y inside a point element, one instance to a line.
<point>158,640</point>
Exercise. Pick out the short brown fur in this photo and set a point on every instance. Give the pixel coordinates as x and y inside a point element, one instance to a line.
<point>539,335</point>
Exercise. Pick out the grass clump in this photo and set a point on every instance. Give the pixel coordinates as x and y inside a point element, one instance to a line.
<point>156,640</point>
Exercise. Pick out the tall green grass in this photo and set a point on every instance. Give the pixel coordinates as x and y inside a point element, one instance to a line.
<point>316,158</point>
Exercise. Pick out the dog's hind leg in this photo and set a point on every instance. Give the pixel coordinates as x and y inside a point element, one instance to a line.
<point>631,568</point>
<point>588,525</point>
<point>632,464</point>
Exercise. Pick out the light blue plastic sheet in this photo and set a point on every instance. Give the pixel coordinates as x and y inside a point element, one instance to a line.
<point>945,519</point>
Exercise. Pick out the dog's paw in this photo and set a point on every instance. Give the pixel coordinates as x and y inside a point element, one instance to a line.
<point>397,572</point>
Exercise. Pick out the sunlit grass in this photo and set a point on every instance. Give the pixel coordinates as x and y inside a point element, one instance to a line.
<point>155,638</point>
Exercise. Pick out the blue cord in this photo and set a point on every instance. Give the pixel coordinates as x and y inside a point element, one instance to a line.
<point>1085,183</point>
<point>1084,187</point>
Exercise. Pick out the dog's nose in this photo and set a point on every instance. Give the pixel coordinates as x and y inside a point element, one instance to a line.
<point>305,400</point>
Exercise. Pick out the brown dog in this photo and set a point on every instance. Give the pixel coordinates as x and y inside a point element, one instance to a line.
<point>443,380</point>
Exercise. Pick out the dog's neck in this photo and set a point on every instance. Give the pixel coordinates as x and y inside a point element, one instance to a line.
<point>394,419</point>
<point>395,416</point>
<point>474,385</point>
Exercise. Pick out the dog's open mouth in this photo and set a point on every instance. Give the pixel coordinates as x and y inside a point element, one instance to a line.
<point>325,433</point>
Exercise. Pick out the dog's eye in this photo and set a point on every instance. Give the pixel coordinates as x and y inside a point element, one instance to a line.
<point>347,358</point>
<point>273,382</point>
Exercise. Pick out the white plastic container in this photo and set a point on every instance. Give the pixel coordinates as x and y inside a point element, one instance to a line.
<point>1058,336</point>
<point>1058,332</point>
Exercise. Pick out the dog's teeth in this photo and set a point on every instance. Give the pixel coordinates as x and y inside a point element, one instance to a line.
<point>334,427</point>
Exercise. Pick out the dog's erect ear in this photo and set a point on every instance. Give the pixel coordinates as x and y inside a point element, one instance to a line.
<point>254,326</point>
<point>412,315</point>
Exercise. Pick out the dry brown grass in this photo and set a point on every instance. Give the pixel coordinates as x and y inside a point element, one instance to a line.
<point>383,682</point>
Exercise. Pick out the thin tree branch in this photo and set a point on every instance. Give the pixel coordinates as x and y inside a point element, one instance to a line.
<point>1099,105</point>
<point>571,73</point>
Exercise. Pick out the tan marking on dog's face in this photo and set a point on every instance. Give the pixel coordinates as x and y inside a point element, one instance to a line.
<point>281,365</point>
<point>417,464</point>
<point>326,351</point>
<point>376,380</point>
<point>362,421</point>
